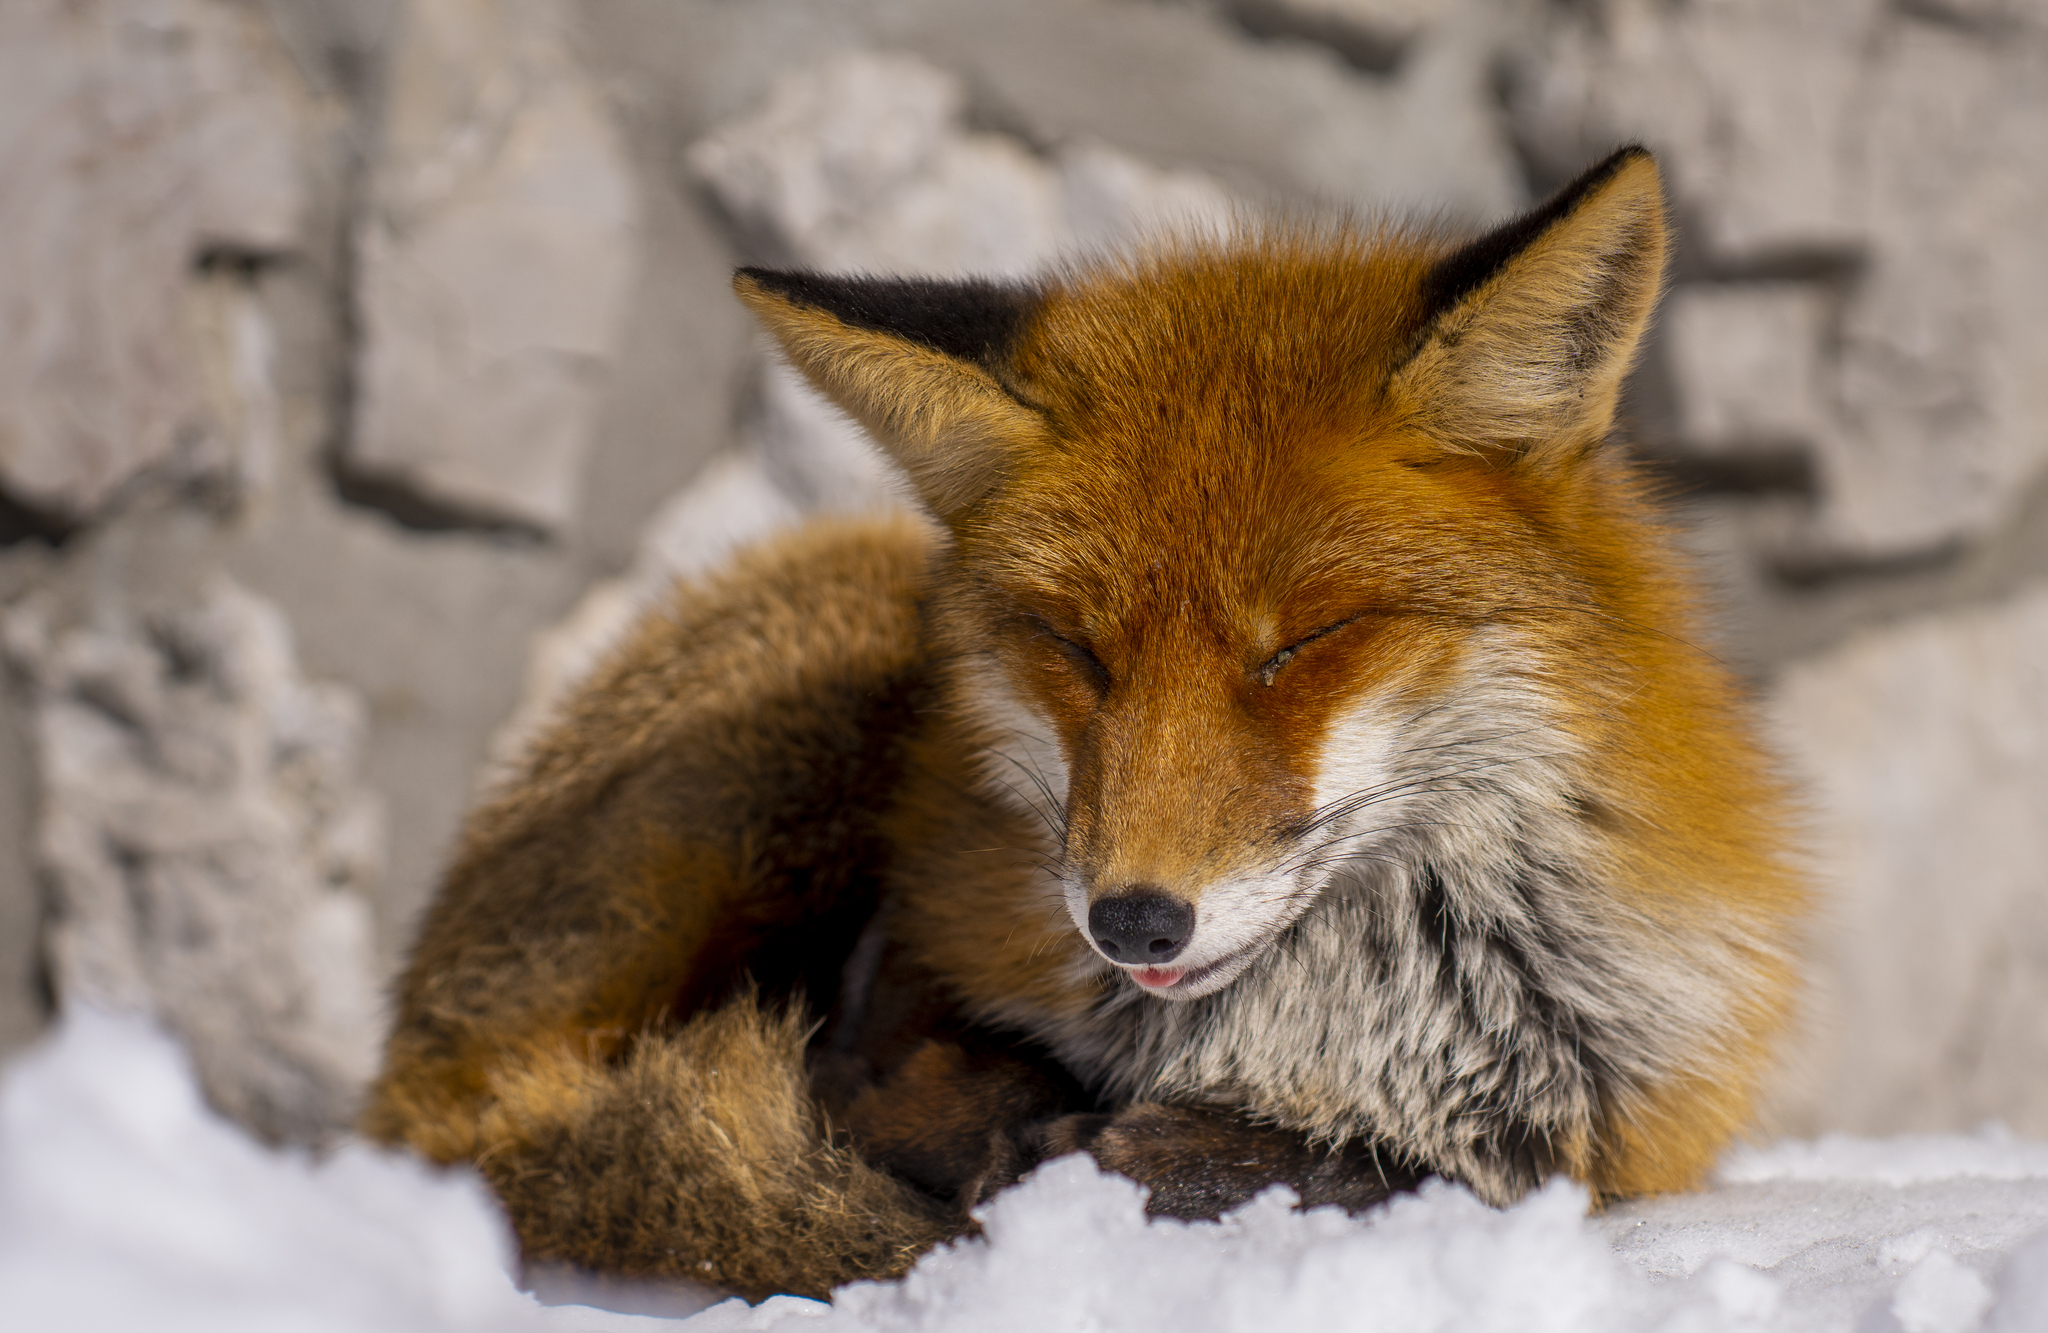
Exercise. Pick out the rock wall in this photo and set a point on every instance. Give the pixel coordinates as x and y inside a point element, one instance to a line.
<point>398,331</point>
<point>209,851</point>
<point>493,156</point>
<point>1926,744</point>
<point>151,150</point>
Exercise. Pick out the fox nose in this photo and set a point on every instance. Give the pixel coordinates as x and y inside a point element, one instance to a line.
<point>1141,926</point>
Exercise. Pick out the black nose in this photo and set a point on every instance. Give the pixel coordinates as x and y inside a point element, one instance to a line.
<point>1141,925</point>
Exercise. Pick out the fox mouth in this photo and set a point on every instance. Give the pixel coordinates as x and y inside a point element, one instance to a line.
<point>1252,912</point>
<point>1187,983</point>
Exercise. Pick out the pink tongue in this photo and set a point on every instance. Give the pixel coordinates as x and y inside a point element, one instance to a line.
<point>1158,978</point>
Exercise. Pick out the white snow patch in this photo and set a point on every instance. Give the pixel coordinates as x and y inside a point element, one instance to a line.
<point>1992,1153</point>
<point>1072,1248</point>
<point>126,1204</point>
<point>1939,1295</point>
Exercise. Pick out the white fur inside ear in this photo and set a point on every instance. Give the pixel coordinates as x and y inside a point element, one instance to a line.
<point>1022,764</point>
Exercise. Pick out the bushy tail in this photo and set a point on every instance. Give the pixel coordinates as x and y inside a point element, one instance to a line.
<point>700,1155</point>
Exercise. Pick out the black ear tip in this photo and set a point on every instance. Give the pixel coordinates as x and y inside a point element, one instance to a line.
<point>782,282</point>
<point>974,319</point>
<point>1470,265</point>
<point>1606,169</point>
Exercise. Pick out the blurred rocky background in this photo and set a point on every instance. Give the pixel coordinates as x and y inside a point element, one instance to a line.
<point>365,363</point>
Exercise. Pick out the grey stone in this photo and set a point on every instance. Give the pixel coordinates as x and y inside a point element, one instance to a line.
<point>1942,395</point>
<point>210,850</point>
<point>863,162</point>
<point>337,44</point>
<point>430,629</point>
<point>1296,125</point>
<point>21,999</point>
<point>137,138</point>
<point>669,402</point>
<point>1751,100</point>
<point>1178,87</point>
<point>1394,16</point>
<point>1747,359</point>
<point>1926,745</point>
<point>867,163</point>
<point>495,249</point>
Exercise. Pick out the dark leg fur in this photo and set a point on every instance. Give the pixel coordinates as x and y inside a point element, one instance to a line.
<point>966,1115</point>
<point>1201,1162</point>
<point>958,1118</point>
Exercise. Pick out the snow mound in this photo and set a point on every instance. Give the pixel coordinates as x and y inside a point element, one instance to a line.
<point>1072,1248</point>
<point>126,1204</point>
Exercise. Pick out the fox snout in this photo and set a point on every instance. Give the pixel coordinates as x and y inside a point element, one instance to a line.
<point>1178,812</point>
<point>1180,894</point>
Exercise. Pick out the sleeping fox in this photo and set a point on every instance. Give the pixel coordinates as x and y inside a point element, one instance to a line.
<point>1280,757</point>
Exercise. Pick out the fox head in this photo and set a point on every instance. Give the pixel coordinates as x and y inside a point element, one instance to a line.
<point>1230,519</point>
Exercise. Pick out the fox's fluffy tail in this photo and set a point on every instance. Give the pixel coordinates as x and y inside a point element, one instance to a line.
<point>700,1155</point>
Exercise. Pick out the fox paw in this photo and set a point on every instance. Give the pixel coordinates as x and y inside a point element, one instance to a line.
<point>1200,1162</point>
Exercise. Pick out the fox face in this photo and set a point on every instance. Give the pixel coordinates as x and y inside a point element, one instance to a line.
<point>1231,522</point>
<point>1202,658</point>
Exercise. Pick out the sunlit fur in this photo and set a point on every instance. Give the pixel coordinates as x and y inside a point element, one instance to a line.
<point>1288,575</point>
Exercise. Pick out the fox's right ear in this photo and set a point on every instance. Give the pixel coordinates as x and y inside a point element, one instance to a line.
<point>915,361</point>
<point>1534,324</point>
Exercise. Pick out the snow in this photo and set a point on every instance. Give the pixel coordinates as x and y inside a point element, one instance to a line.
<point>1909,1159</point>
<point>126,1204</point>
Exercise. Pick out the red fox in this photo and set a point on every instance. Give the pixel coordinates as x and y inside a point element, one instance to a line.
<point>1282,759</point>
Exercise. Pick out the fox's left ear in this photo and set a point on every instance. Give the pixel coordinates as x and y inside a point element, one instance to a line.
<point>1534,324</point>
<point>921,363</point>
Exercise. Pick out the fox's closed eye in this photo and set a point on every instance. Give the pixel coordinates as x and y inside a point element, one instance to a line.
<point>1080,654</point>
<point>1271,667</point>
